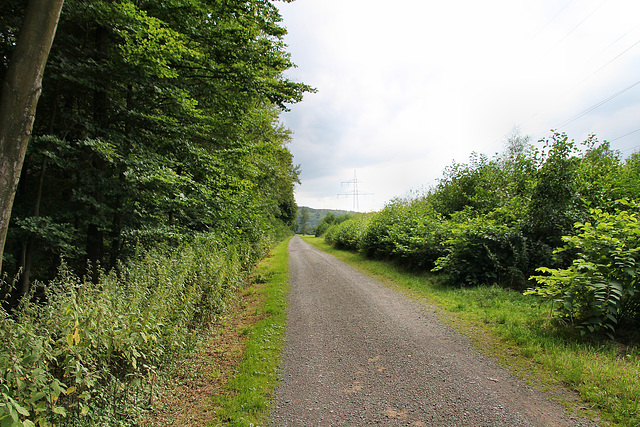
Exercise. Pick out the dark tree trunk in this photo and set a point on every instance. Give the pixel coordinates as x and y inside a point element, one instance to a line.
<point>27,246</point>
<point>20,93</point>
<point>95,229</point>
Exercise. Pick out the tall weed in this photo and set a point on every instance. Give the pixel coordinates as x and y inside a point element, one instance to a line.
<point>79,353</point>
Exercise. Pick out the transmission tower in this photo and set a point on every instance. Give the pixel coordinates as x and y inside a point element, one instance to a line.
<point>354,192</point>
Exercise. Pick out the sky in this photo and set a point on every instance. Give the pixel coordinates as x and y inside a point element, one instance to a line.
<point>405,88</point>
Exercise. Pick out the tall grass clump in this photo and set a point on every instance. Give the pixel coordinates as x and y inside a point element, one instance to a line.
<point>78,352</point>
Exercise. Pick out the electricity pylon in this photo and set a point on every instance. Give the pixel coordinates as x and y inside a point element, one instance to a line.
<point>355,193</point>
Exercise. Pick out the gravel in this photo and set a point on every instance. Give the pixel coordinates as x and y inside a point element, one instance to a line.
<point>359,353</point>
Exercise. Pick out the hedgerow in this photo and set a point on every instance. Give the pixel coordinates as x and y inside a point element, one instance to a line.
<point>495,221</point>
<point>408,231</point>
<point>79,353</point>
<point>348,234</point>
<point>483,250</point>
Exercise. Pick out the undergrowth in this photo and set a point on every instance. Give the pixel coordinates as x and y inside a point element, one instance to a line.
<point>252,385</point>
<point>78,353</point>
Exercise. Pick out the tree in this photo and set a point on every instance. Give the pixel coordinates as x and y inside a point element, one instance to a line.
<point>555,205</point>
<point>158,121</point>
<point>21,90</point>
<point>303,225</point>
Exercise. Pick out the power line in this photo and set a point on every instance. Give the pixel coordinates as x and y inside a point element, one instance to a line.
<point>632,148</point>
<point>554,18</point>
<point>609,62</point>
<point>576,27</point>
<point>599,104</point>
<point>626,134</point>
<point>615,41</point>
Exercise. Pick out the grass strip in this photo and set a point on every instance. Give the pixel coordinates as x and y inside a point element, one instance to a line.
<point>251,388</point>
<point>521,334</point>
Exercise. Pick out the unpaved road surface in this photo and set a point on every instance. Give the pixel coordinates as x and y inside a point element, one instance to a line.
<point>359,353</point>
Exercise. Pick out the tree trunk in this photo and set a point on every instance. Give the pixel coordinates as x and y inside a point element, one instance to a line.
<point>27,246</point>
<point>95,232</point>
<point>20,93</point>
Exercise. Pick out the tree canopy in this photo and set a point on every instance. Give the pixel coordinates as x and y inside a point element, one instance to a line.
<point>158,120</point>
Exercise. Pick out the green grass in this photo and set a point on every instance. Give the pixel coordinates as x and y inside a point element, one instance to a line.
<point>521,334</point>
<point>256,377</point>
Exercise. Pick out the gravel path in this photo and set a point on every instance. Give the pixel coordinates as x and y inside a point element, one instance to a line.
<point>359,353</point>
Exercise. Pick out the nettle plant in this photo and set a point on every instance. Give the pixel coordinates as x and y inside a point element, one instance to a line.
<point>600,290</point>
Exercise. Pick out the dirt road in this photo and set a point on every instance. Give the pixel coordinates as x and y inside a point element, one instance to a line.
<point>359,353</point>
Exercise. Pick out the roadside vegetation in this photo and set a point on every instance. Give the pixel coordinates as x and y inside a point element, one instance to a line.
<point>250,390</point>
<point>157,175</point>
<point>541,246</point>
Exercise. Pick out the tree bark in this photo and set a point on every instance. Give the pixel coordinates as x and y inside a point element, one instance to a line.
<point>20,93</point>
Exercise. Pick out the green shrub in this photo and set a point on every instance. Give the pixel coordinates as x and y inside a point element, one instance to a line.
<point>555,204</point>
<point>483,250</point>
<point>348,234</point>
<point>600,289</point>
<point>417,237</point>
<point>376,240</point>
<point>329,220</point>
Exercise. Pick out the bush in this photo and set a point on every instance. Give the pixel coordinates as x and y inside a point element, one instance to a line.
<point>416,236</point>
<point>348,234</point>
<point>376,240</point>
<point>483,250</point>
<point>600,290</point>
<point>329,220</point>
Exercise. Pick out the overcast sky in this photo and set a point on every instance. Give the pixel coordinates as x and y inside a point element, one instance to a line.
<point>407,87</point>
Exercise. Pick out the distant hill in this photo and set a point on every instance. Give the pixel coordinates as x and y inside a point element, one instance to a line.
<point>316,215</point>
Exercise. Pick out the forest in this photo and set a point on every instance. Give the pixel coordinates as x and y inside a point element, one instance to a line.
<point>558,222</point>
<point>156,175</point>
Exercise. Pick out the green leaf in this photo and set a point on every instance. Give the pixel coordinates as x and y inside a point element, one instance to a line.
<point>60,410</point>
<point>37,396</point>
<point>21,410</point>
<point>6,421</point>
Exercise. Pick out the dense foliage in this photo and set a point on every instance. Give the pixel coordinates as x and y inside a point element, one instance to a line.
<point>329,219</point>
<point>559,210</point>
<point>157,120</point>
<point>157,175</point>
<point>600,289</point>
